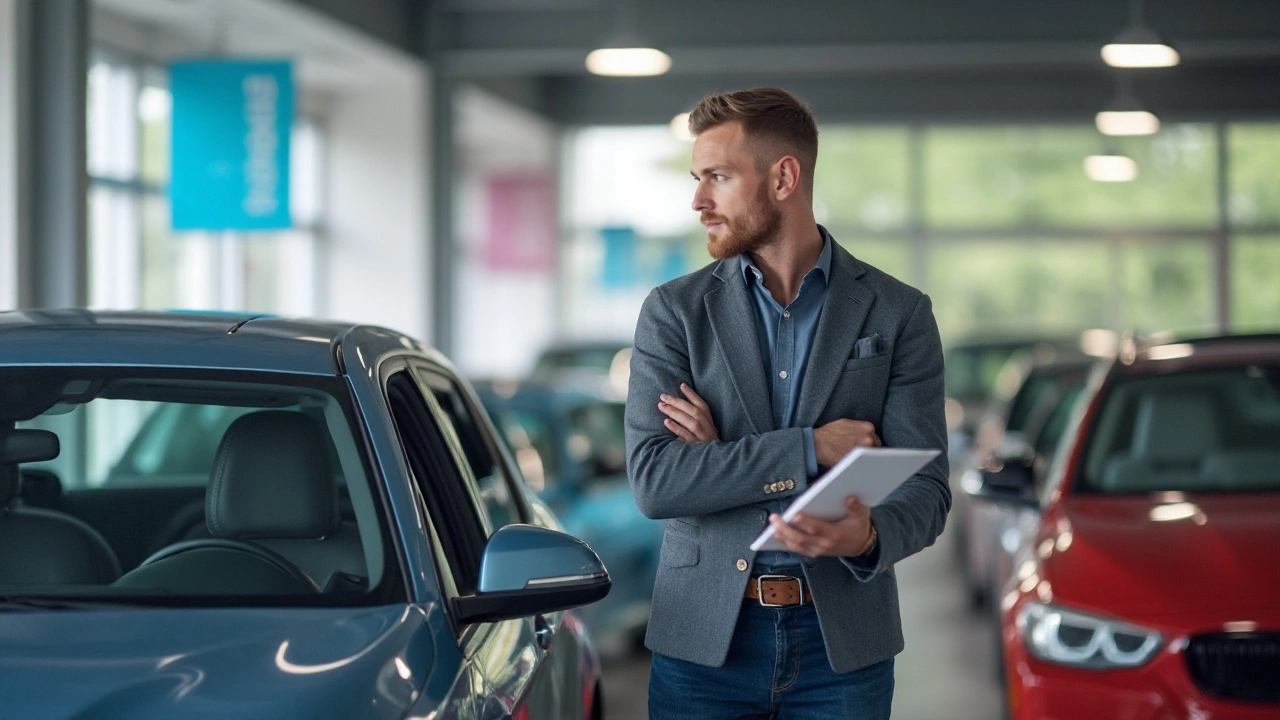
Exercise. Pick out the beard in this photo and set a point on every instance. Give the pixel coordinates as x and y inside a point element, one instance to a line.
<point>756,228</point>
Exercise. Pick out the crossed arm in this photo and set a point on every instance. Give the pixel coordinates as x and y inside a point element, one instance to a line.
<point>696,473</point>
<point>689,419</point>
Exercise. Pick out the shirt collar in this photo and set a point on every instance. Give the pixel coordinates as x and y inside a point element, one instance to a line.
<point>823,266</point>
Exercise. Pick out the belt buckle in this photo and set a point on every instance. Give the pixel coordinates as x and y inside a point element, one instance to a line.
<point>760,590</point>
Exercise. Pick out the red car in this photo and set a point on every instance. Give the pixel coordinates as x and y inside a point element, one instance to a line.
<point>1152,588</point>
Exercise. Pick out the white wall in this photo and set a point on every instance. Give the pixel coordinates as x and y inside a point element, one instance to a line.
<point>8,155</point>
<point>503,315</point>
<point>377,265</point>
<point>368,103</point>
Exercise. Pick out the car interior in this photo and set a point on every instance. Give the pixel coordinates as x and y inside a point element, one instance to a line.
<point>1192,431</point>
<point>101,495</point>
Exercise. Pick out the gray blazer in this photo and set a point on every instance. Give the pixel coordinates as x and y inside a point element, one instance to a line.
<point>700,329</point>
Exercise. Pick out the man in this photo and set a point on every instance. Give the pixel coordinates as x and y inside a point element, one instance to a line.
<point>748,378</point>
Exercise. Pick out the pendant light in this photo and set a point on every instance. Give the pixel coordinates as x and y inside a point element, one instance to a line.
<point>1138,46</point>
<point>625,54</point>
<point>1125,115</point>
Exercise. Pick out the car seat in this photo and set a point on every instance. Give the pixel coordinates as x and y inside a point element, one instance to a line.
<point>41,546</point>
<point>271,493</point>
<point>1172,434</point>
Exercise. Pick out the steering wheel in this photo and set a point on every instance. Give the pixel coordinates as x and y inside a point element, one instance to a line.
<point>264,554</point>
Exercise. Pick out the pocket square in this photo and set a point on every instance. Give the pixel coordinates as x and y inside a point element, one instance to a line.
<point>869,346</point>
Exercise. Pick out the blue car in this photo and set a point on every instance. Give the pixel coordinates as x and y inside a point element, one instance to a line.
<point>215,516</point>
<point>569,444</point>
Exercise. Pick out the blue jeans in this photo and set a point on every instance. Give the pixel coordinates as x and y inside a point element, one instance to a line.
<point>777,668</point>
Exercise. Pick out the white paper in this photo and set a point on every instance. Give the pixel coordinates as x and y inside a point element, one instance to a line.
<point>869,473</point>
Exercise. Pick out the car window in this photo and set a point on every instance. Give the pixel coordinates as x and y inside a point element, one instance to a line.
<point>1024,402</point>
<point>150,462</point>
<point>458,527</point>
<point>532,438</point>
<point>492,484</point>
<point>596,438</point>
<point>1055,424</point>
<point>1203,430</point>
<point>971,370</point>
<point>175,440</point>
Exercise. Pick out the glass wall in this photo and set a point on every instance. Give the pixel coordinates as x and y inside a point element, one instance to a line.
<point>135,259</point>
<point>1000,224</point>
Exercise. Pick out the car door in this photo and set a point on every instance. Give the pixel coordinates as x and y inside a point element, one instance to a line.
<point>524,668</point>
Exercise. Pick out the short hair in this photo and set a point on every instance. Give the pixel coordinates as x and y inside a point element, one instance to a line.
<point>775,122</point>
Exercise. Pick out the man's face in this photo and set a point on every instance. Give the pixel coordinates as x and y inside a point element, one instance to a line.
<point>732,197</point>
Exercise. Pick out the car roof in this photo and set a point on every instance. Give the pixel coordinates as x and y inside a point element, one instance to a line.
<point>182,339</point>
<point>1198,352</point>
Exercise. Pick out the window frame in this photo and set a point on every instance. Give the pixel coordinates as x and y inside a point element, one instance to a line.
<point>469,436</point>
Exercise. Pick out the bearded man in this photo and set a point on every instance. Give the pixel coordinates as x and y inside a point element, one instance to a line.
<point>750,377</point>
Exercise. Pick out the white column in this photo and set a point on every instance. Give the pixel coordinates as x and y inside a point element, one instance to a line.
<point>8,155</point>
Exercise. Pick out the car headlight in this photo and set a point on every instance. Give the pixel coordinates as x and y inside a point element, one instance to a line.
<point>1067,637</point>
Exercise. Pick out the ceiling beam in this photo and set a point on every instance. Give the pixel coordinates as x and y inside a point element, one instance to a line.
<point>1010,96</point>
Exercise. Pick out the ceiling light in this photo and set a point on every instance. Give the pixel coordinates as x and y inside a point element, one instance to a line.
<point>628,61</point>
<point>680,127</point>
<point>625,53</point>
<point>1125,115</point>
<point>1137,46</point>
<point>1110,168</point>
<point>1139,55</point>
<point>1132,122</point>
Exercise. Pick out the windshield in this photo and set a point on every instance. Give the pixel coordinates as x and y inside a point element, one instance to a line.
<point>1213,430</point>
<point>971,370</point>
<point>166,485</point>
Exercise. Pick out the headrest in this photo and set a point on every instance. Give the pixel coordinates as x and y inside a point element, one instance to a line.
<point>271,478</point>
<point>1179,426</point>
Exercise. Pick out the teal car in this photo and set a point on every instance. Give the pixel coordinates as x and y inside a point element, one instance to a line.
<point>213,516</point>
<point>568,443</point>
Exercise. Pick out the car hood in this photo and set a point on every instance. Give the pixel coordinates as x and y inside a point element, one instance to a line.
<point>217,663</point>
<point>1191,559</point>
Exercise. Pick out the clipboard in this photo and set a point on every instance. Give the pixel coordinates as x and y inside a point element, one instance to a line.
<point>869,473</point>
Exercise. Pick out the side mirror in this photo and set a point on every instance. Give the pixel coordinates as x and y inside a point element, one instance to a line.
<point>1011,482</point>
<point>530,570</point>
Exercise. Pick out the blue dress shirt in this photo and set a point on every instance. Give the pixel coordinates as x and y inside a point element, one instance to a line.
<point>786,337</point>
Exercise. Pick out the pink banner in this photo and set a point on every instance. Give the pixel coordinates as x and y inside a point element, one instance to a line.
<point>522,222</point>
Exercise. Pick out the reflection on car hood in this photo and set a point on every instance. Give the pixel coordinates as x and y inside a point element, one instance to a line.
<point>216,663</point>
<point>1167,556</point>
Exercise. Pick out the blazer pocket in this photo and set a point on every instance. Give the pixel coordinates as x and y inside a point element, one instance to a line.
<point>868,362</point>
<point>678,551</point>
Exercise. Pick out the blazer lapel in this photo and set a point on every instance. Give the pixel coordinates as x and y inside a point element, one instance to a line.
<point>734,327</point>
<point>843,313</point>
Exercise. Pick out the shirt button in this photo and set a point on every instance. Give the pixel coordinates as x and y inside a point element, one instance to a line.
<point>786,313</point>
<point>742,565</point>
<point>782,374</point>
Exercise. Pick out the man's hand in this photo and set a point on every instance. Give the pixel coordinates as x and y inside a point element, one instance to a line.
<point>835,439</point>
<point>848,537</point>
<point>689,419</point>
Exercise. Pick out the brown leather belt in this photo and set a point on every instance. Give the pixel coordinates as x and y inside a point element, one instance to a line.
<point>778,590</point>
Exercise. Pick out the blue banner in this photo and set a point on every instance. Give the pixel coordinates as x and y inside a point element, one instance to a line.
<point>620,256</point>
<point>230,149</point>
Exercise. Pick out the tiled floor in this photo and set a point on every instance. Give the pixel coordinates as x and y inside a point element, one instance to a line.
<point>946,672</point>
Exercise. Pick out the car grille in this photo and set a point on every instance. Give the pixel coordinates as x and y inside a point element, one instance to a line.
<point>1235,666</point>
